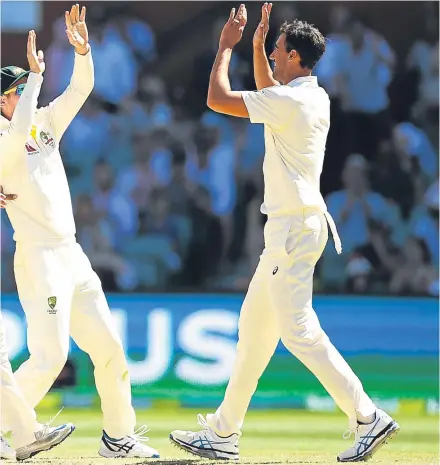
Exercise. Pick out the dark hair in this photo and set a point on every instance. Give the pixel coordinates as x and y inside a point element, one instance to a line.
<point>306,39</point>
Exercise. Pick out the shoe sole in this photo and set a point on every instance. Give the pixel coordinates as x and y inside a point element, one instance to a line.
<point>204,453</point>
<point>32,454</point>
<point>116,455</point>
<point>390,433</point>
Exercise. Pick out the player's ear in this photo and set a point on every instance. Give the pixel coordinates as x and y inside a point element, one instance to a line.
<point>292,55</point>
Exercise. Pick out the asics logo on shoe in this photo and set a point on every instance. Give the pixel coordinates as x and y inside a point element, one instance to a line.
<point>367,439</point>
<point>117,447</point>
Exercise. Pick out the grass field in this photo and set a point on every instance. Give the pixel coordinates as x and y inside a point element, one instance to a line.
<point>270,437</point>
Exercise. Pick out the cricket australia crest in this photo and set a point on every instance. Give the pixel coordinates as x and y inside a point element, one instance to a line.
<point>52,301</point>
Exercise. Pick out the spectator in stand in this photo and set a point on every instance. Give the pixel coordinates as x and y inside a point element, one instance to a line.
<point>395,178</point>
<point>357,210</point>
<point>158,219</point>
<point>413,144</point>
<point>206,244</point>
<point>118,209</point>
<point>111,53</point>
<point>59,60</point>
<point>136,33</point>
<point>97,238</point>
<point>414,273</point>
<point>137,180</point>
<point>357,206</point>
<point>153,95</point>
<point>423,58</point>
<point>180,188</point>
<point>212,166</point>
<point>337,49</point>
<point>366,72</point>
<point>426,224</point>
<point>85,141</point>
<point>158,222</point>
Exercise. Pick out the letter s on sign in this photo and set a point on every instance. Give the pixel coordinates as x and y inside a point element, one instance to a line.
<point>195,338</point>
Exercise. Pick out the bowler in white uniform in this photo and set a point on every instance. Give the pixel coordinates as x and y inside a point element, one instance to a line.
<point>295,112</point>
<point>60,293</point>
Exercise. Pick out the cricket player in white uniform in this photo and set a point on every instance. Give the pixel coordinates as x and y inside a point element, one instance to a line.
<point>58,289</point>
<point>295,112</point>
<point>30,437</point>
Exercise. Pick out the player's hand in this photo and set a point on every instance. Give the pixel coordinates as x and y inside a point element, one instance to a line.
<point>263,27</point>
<point>35,60</point>
<point>4,198</point>
<point>76,29</point>
<point>233,30</point>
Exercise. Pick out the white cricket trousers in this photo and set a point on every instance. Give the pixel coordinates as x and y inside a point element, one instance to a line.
<point>14,410</point>
<point>278,305</point>
<point>61,295</point>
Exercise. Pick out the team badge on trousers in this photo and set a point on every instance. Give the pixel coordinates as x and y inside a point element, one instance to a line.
<point>52,301</point>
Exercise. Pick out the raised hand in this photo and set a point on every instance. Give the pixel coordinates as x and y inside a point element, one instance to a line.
<point>35,60</point>
<point>263,27</point>
<point>76,29</point>
<point>233,29</point>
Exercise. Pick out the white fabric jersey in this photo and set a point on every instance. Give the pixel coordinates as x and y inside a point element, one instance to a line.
<point>31,164</point>
<point>296,120</point>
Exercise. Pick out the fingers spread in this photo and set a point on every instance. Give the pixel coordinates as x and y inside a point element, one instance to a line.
<point>83,14</point>
<point>68,21</point>
<point>77,13</point>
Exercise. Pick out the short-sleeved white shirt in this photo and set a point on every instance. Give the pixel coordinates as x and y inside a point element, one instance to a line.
<point>297,120</point>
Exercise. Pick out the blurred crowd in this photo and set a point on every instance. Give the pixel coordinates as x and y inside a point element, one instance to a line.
<point>166,194</point>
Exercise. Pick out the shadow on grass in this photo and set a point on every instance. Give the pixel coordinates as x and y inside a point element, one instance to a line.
<point>196,461</point>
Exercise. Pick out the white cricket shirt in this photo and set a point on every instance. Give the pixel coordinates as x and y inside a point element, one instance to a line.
<point>31,164</point>
<point>296,120</point>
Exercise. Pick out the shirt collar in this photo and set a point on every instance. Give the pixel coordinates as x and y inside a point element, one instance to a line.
<point>4,123</point>
<point>296,82</point>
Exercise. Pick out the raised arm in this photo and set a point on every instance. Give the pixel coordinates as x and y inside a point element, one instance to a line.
<point>14,137</point>
<point>263,73</point>
<point>63,109</point>
<point>220,96</point>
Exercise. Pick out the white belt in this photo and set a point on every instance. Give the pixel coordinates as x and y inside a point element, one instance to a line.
<point>336,238</point>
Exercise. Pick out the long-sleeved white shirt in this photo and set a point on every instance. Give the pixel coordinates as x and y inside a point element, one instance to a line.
<point>31,164</point>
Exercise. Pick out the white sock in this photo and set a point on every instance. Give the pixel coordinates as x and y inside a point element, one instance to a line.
<point>365,420</point>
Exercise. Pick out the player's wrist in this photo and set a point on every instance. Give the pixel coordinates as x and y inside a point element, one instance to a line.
<point>83,50</point>
<point>259,46</point>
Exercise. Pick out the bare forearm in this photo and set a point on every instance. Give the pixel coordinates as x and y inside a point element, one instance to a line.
<point>262,71</point>
<point>219,84</point>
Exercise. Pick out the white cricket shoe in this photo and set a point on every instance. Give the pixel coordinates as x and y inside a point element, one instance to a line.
<point>207,443</point>
<point>128,446</point>
<point>46,439</point>
<point>6,451</point>
<point>369,438</point>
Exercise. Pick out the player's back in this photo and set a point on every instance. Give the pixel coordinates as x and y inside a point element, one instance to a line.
<point>42,211</point>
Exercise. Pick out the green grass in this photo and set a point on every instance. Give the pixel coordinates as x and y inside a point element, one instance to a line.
<point>270,437</point>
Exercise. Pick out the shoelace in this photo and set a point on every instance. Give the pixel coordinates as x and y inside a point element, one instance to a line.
<point>46,426</point>
<point>201,420</point>
<point>349,432</point>
<point>139,434</point>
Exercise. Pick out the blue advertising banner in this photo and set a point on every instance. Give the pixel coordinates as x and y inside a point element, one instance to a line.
<point>183,344</point>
